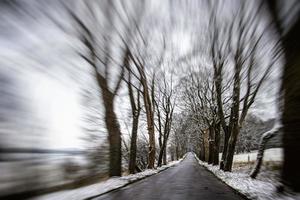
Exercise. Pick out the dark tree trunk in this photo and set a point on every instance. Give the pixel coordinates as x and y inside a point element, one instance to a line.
<point>135,109</point>
<point>217,145</point>
<point>231,143</point>
<point>291,113</point>
<point>234,117</point>
<point>172,156</point>
<point>150,123</point>
<point>161,154</point>
<point>291,98</point>
<point>210,153</point>
<point>202,151</point>
<point>230,152</point>
<point>161,150</point>
<point>162,158</point>
<point>177,152</point>
<point>225,146</point>
<point>114,137</point>
<point>132,156</point>
<point>263,141</point>
<point>211,145</point>
<point>165,157</point>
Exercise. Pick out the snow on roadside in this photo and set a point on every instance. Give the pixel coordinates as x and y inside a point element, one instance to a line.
<point>251,188</point>
<point>102,187</point>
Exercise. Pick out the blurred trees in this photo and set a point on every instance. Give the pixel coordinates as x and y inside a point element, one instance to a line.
<point>200,101</point>
<point>251,132</point>
<point>134,96</point>
<point>164,102</point>
<point>289,30</point>
<point>125,48</point>
<point>96,34</point>
<point>238,47</point>
<point>219,93</point>
<point>132,58</point>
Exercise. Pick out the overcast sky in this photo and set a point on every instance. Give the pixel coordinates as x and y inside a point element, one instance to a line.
<point>41,85</point>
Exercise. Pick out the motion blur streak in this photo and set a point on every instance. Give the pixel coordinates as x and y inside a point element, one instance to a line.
<point>102,88</point>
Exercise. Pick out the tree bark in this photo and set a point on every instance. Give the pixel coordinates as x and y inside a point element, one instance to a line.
<point>230,151</point>
<point>165,157</point>
<point>202,151</point>
<point>235,109</point>
<point>132,156</point>
<point>177,152</point>
<point>150,123</point>
<point>217,144</point>
<point>211,146</point>
<point>226,139</point>
<point>291,116</point>
<point>291,97</point>
<point>135,108</point>
<point>161,153</point>
<point>114,136</point>
<point>263,141</point>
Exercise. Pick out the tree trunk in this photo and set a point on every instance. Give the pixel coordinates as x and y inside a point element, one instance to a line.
<point>160,142</point>
<point>217,145</point>
<point>165,157</point>
<point>151,157</point>
<point>234,116</point>
<point>202,151</point>
<point>177,152</point>
<point>162,152</point>
<point>160,156</point>
<point>114,136</point>
<point>291,113</point>
<point>172,155</point>
<point>224,152</point>
<point>263,141</point>
<point>211,146</point>
<point>132,156</point>
<point>150,124</point>
<point>291,97</point>
<point>230,149</point>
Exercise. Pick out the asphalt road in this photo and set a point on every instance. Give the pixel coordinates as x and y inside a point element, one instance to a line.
<point>187,181</point>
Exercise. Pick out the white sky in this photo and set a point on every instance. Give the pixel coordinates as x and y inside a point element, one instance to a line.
<point>59,107</point>
<point>55,98</point>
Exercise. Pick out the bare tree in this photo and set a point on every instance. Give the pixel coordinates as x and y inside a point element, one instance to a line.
<point>165,103</point>
<point>96,35</point>
<point>135,110</point>
<point>241,52</point>
<point>200,100</point>
<point>148,96</point>
<point>139,57</point>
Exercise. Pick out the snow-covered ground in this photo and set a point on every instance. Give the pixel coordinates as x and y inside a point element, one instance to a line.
<point>259,189</point>
<point>102,187</point>
<point>274,154</point>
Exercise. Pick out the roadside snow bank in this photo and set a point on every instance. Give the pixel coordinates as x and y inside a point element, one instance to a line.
<point>251,188</point>
<point>102,187</point>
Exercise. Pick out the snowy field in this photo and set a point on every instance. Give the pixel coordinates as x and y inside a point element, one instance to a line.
<point>274,154</point>
<point>102,187</point>
<point>258,189</point>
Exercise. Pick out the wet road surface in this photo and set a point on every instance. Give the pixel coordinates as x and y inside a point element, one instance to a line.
<point>187,181</point>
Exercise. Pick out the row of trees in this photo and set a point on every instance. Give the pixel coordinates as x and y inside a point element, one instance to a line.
<point>240,53</point>
<point>219,95</point>
<point>220,101</point>
<point>115,41</point>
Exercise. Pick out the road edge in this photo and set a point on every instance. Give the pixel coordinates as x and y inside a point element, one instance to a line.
<point>134,181</point>
<point>232,188</point>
